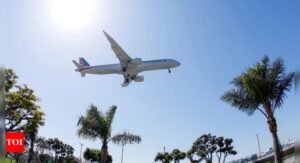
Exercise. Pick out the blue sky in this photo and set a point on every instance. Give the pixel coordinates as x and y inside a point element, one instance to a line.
<point>213,40</point>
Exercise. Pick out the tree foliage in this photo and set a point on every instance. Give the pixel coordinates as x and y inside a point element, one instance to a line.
<point>204,147</point>
<point>207,145</point>
<point>22,113</point>
<point>263,88</point>
<point>264,85</point>
<point>31,131</point>
<point>126,138</point>
<point>61,150</point>
<point>20,105</point>
<point>163,157</point>
<point>225,148</point>
<point>96,125</point>
<point>94,155</point>
<point>177,155</point>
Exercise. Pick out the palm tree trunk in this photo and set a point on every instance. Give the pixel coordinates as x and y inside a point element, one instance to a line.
<point>31,150</point>
<point>104,149</point>
<point>276,143</point>
<point>122,153</point>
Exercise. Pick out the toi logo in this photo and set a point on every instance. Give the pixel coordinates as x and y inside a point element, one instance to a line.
<point>14,142</point>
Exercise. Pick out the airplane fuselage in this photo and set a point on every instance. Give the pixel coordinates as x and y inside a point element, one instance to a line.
<point>143,66</point>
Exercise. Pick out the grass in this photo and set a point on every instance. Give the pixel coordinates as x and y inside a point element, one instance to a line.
<point>7,161</point>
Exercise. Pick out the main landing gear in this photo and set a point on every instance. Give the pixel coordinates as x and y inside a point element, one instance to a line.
<point>169,70</point>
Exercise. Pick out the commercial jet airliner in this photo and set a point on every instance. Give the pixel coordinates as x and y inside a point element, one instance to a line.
<point>128,67</point>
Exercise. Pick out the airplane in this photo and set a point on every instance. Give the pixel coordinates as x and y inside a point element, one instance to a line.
<point>128,67</point>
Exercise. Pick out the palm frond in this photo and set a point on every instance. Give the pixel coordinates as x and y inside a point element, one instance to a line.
<point>241,101</point>
<point>109,116</point>
<point>90,124</point>
<point>126,138</point>
<point>108,119</point>
<point>264,85</point>
<point>277,69</point>
<point>284,85</point>
<point>95,124</point>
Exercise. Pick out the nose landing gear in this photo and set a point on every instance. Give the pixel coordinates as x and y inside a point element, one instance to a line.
<point>169,70</point>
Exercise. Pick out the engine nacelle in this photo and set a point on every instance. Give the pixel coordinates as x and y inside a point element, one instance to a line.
<point>136,61</point>
<point>139,78</point>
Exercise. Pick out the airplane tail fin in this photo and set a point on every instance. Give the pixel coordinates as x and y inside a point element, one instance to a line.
<point>80,67</point>
<point>83,62</point>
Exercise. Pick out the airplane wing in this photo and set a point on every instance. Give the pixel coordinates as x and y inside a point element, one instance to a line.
<point>123,57</point>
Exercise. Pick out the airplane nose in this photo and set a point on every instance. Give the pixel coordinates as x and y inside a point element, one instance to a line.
<point>177,63</point>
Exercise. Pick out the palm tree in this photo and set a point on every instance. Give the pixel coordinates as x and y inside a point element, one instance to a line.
<point>32,130</point>
<point>163,157</point>
<point>177,155</point>
<point>97,125</point>
<point>262,88</point>
<point>125,138</point>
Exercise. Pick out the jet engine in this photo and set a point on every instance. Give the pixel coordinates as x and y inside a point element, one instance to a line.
<point>139,78</point>
<point>136,61</point>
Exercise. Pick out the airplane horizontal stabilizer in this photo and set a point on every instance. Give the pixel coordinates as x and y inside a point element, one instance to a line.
<point>79,68</point>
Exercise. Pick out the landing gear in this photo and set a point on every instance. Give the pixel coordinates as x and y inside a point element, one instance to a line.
<point>127,80</point>
<point>169,70</point>
<point>124,69</point>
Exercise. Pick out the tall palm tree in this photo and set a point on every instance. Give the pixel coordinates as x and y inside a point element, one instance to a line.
<point>177,155</point>
<point>125,138</point>
<point>262,88</point>
<point>96,125</point>
<point>163,157</point>
<point>31,131</point>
